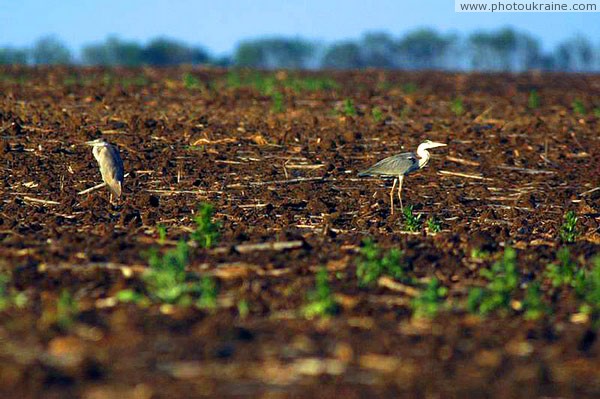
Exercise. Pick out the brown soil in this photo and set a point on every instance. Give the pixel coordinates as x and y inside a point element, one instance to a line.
<point>290,176</point>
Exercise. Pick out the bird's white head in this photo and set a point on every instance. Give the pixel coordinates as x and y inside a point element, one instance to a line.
<point>97,143</point>
<point>427,144</point>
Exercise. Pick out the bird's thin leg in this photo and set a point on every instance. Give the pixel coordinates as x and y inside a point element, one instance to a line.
<point>392,195</point>
<point>401,179</point>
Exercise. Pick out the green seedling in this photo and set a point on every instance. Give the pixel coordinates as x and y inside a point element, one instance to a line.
<point>9,298</point>
<point>277,102</point>
<point>233,80</point>
<point>565,272</point>
<point>132,296</point>
<point>208,297</point>
<point>5,296</point>
<point>371,264</point>
<point>457,107</point>
<point>162,233</point>
<point>589,290</point>
<point>320,300</point>
<point>207,231</point>
<point>533,305</point>
<point>430,301</point>
<point>409,88</point>
<point>348,108</point>
<point>166,277</point>
<point>502,279</point>
<point>191,82</point>
<point>568,230</point>
<point>377,114</point>
<point>411,222</point>
<point>434,225</point>
<point>208,294</point>
<point>478,253</point>
<point>67,310</point>
<point>243,308</point>
<point>597,112</point>
<point>578,107</point>
<point>534,100</point>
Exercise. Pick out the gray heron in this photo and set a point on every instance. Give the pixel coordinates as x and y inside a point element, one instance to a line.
<point>400,165</point>
<point>111,165</point>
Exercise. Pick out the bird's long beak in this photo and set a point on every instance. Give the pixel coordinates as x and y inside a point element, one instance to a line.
<point>92,143</point>
<point>435,145</point>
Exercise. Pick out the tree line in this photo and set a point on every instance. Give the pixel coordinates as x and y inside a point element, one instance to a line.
<point>501,50</point>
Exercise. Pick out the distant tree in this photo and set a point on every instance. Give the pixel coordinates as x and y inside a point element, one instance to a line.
<point>379,50</point>
<point>164,52</point>
<point>223,61</point>
<point>575,54</point>
<point>343,55</point>
<point>10,55</point>
<point>51,51</point>
<point>249,54</point>
<point>274,53</point>
<point>504,50</point>
<point>113,52</point>
<point>423,49</point>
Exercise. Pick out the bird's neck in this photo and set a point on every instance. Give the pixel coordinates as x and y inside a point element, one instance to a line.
<point>423,157</point>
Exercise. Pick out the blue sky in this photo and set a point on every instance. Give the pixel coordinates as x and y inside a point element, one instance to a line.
<point>220,24</point>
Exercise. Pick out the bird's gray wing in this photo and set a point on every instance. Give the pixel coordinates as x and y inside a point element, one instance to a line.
<point>395,165</point>
<point>111,168</point>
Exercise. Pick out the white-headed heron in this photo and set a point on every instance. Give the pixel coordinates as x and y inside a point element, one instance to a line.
<point>111,165</point>
<point>400,165</point>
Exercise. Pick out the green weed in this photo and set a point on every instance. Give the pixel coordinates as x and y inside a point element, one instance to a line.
<point>565,272</point>
<point>377,114</point>
<point>478,253</point>
<point>411,222</point>
<point>409,88</point>
<point>277,102</point>
<point>8,297</point>
<point>533,101</point>
<point>578,107</point>
<point>233,80</point>
<point>533,305</point>
<point>166,278</point>
<point>597,112</point>
<point>67,310</point>
<point>162,233</point>
<point>243,308</point>
<point>208,294</point>
<point>191,82</point>
<point>348,108</point>
<point>434,225</point>
<point>457,107</point>
<point>503,280</point>
<point>207,231</point>
<point>568,230</point>
<point>430,301</point>
<point>320,300</point>
<point>372,264</point>
<point>589,290</point>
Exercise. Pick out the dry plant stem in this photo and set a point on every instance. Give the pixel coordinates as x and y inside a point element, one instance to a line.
<point>392,195</point>
<point>458,174</point>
